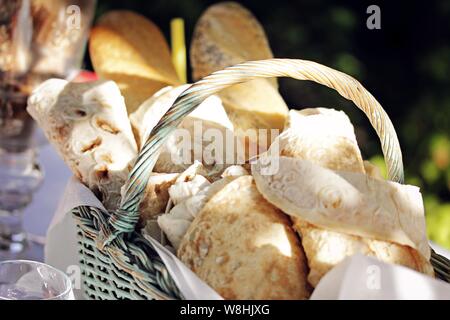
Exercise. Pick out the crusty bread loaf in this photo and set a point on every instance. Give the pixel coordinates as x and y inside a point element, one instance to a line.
<point>156,195</point>
<point>326,248</point>
<point>130,49</point>
<point>244,247</point>
<point>88,125</point>
<point>227,34</point>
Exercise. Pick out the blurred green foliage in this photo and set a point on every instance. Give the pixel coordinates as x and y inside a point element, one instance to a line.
<point>406,66</point>
<point>378,160</point>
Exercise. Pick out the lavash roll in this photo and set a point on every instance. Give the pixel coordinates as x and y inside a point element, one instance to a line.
<point>323,136</point>
<point>179,151</point>
<point>326,138</point>
<point>87,123</point>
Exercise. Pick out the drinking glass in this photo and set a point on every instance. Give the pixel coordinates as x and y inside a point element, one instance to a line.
<point>30,280</point>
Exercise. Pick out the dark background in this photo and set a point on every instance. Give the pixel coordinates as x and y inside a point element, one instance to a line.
<point>405,65</point>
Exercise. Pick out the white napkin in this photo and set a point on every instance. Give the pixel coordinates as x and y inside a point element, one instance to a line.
<point>191,286</point>
<point>60,249</point>
<point>364,278</point>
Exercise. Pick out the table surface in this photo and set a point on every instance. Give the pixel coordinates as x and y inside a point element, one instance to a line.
<point>39,213</point>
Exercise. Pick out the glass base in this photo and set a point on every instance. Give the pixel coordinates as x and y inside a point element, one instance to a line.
<point>12,237</point>
<point>14,243</point>
<point>32,251</point>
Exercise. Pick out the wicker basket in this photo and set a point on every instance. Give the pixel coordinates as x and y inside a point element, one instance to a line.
<point>118,263</point>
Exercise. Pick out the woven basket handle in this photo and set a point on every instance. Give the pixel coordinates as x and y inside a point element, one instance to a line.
<point>124,220</point>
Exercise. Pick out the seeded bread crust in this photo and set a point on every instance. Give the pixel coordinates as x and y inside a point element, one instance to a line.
<point>244,247</point>
<point>227,34</point>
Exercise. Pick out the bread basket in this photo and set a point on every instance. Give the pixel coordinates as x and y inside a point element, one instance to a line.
<point>119,263</point>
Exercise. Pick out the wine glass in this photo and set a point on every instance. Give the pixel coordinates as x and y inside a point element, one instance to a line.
<point>30,280</point>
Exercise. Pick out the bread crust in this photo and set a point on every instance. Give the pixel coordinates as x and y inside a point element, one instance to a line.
<point>227,34</point>
<point>130,49</point>
<point>244,247</point>
<point>156,195</point>
<point>326,248</point>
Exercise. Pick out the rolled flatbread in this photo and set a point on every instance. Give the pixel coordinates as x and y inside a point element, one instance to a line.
<point>326,137</point>
<point>183,203</point>
<point>354,205</point>
<point>179,153</point>
<point>323,136</point>
<point>88,125</point>
<point>244,247</point>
